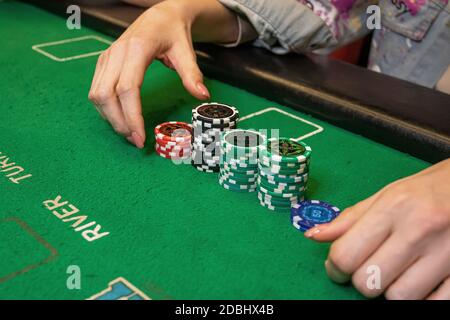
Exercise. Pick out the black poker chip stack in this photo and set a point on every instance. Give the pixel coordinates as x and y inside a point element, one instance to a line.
<point>209,120</point>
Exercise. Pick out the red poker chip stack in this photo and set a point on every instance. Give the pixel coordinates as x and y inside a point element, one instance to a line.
<point>173,140</point>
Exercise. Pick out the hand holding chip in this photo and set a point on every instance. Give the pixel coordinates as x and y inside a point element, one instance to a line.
<point>404,230</point>
<point>163,32</point>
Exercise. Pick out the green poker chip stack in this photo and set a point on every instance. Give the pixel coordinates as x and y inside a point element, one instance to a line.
<point>283,169</point>
<point>239,160</point>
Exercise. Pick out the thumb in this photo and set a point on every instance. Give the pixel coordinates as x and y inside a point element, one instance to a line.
<point>183,59</point>
<point>329,232</point>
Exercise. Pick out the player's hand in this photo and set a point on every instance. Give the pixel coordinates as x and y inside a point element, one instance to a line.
<point>162,32</point>
<point>404,230</point>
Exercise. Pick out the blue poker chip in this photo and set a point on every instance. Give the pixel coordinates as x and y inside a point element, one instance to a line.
<point>310,213</point>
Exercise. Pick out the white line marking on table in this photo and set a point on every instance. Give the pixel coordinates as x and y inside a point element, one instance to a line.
<point>38,48</point>
<point>258,113</point>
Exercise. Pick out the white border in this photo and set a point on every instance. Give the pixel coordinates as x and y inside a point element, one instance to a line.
<point>120,279</point>
<point>37,48</point>
<point>258,113</point>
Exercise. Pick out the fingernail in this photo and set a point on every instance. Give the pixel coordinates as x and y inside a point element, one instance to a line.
<point>203,90</point>
<point>138,141</point>
<point>312,232</point>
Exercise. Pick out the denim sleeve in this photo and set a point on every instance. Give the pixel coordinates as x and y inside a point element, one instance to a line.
<point>303,25</point>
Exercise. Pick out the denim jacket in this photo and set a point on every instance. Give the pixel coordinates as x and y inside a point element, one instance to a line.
<point>413,42</point>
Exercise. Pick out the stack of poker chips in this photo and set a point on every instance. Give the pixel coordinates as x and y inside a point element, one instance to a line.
<point>173,140</point>
<point>209,120</point>
<point>239,163</point>
<point>283,173</point>
<point>308,214</point>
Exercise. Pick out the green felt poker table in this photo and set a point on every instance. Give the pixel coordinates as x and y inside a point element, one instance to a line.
<point>77,199</point>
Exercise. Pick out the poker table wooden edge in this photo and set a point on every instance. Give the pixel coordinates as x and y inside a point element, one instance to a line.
<point>397,113</point>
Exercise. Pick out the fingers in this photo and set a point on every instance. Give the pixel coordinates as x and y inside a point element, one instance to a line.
<point>335,273</point>
<point>442,292</point>
<point>116,87</point>
<point>331,231</point>
<point>419,280</point>
<point>390,260</point>
<point>129,86</point>
<point>350,251</point>
<point>99,68</point>
<point>103,91</point>
<point>182,57</point>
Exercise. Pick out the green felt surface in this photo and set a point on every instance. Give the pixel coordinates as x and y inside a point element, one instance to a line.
<point>174,231</point>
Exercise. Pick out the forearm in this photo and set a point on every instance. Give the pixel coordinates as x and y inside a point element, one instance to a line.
<point>209,20</point>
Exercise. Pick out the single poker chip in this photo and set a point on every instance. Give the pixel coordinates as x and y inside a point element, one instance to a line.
<point>207,157</point>
<point>174,148</point>
<point>280,196</point>
<point>229,167</point>
<point>276,202</point>
<point>174,155</point>
<point>286,166</point>
<point>286,150</point>
<point>196,154</point>
<point>206,168</point>
<point>310,213</point>
<point>233,180</point>
<point>232,187</point>
<point>209,147</point>
<point>292,195</point>
<point>205,138</point>
<point>206,154</point>
<point>209,137</point>
<point>199,156</point>
<point>245,165</point>
<point>281,185</point>
<point>174,131</point>
<point>292,172</point>
<point>208,130</point>
<point>184,153</point>
<point>237,152</point>
<point>211,155</point>
<point>168,144</point>
<point>206,126</point>
<point>244,159</point>
<point>238,185</point>
<point>206,148</point>
<point>215,113</point>
<point>247,161</point>
<point>202,169</point>
<point>274,208</point>
<point>179,153</point>
<point>166,156</point>
<point>283,178</point>
<point>205,162</point>
<point>238,175</point>
<point>273,180</point>
<point>281,189</point>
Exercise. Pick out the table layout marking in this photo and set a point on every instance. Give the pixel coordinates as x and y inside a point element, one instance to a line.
<point>258,113</point>
<point>120,289</point>
<point>24,226</point>
<point>38,48</point>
